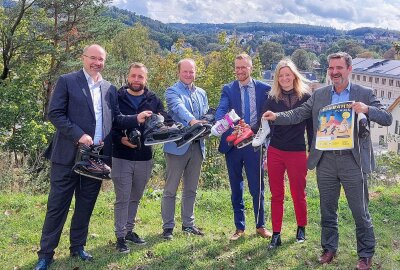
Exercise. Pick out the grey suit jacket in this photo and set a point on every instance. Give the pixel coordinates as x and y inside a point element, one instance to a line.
<point>362,151</point>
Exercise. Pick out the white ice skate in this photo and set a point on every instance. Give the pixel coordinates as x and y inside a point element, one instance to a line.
<point>262,133</point>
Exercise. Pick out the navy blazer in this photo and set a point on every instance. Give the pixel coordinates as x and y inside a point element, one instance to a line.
<point>71,111</point>
<point>231,99</point>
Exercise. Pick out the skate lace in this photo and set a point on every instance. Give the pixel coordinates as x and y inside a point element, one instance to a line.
<point>259,132</point>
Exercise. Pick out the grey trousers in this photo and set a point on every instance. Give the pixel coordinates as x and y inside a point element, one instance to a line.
<point>130,179</point>
<point>334,171</point>
<point>188,166</point>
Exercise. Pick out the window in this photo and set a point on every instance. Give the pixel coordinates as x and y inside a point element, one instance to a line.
<point>381,140</point>
<point>353,76</point>
<point>383,81</point>
<point>375,92</point>
<point>358,77</point>
<point>376,80</point>
<point>382,93</point>
<point>389,95</point>
<point>370,79</point>
<point>398,83</point>
<point>364,78</point>
<point>397,128</point>
<point>390,82</point>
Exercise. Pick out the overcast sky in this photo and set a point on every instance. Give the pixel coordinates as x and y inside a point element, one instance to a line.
<point>341,14</point>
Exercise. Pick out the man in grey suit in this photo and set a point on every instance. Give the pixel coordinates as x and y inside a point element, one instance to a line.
<point>347,168</point>
<point>83,109</point>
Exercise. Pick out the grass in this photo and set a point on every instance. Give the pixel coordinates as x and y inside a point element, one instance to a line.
<point>21,219</point>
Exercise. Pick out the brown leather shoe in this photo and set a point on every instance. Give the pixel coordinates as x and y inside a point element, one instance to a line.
<point>237,235</point>
<point>264,233</point>
<point>326,257</point>
<point>364,263</point>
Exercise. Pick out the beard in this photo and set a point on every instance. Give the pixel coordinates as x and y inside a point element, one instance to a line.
<point>136,88</point>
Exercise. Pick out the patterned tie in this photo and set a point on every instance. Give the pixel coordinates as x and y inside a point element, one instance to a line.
<point>246,100</point>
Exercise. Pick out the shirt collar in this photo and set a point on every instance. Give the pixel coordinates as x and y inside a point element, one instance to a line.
<point>90,80</point>
<point>250,84</point>
<point>187,86</point>
<point>347,89</point>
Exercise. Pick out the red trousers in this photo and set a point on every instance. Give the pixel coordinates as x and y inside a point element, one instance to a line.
<point>295,164</point>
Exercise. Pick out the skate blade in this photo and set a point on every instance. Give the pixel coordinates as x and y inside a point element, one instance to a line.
<point>244,143</point>
<point>179,145</point>
<point>149,143</point>
<point>104,178</point>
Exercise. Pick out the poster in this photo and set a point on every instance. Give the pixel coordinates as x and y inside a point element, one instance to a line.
<point>335,127</point>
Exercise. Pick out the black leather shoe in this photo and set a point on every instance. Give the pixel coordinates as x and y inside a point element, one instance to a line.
<point>275,241</point>
<point>43,264</point>
<point>83,255</point>
<point>167,233</point>
<point>301,234</point>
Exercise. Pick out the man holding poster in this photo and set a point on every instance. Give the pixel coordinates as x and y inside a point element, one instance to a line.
<point>347,167</point>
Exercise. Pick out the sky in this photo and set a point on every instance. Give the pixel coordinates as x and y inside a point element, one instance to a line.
<point>340,14</point>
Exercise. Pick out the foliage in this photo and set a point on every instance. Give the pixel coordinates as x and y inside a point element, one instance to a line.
<point>270,53</point>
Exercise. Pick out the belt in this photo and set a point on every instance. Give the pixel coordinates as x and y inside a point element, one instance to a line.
<point>340,152</point>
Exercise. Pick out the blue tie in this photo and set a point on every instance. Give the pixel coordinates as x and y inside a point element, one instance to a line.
<point>246,99</point>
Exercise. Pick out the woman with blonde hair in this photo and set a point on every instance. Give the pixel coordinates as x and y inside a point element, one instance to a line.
<point>287,149</point>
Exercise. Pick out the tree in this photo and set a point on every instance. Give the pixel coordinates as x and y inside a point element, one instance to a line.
<point>352,47</point>
<point>301,58</point>
<point>270,53</point>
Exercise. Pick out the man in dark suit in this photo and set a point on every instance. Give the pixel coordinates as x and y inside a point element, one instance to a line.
<point>83,109</point>
<point>347,168</point>
<point>233,97</point>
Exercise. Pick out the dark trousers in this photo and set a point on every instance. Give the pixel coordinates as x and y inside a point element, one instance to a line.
<point>334,171</point>
<point>236,159</point>
<point>63,184</point>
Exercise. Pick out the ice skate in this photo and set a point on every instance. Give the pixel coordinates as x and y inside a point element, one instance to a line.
<point>135,138</point>
<point>225,123</point>
<point>156,132</point>
<point>210,118</point>
<point>244,137</point>
<point>88,162</point>
<point>190,133</point>
<point>230,139</point>
<point>363,127</point>
<point>262,134</point>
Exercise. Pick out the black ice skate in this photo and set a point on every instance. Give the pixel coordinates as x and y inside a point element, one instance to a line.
<point>190,133</point>
<point>210,118</point>
<point>157,133</point>
<point>135,138</point>
<point>88,162</point>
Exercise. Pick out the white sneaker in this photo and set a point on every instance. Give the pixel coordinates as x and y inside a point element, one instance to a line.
<point>225,123</point>
<point>262,133</point>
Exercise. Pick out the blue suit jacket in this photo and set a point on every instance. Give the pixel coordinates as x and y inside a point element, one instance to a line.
<point>231,99</point>
<point>71,111</point>
<point>179,105</point>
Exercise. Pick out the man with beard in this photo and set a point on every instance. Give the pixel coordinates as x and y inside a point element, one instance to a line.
<point>83,109</point>
<point>132,164</point>
<point>336,168</point>
<point>246,96</point>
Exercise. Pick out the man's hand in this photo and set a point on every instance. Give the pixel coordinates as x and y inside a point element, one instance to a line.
<point>125,141</point>
<point>141,117</point>
<point>360,107</point>
<point>268,115</point>
<point>86,140</point>
<point>195,121</point>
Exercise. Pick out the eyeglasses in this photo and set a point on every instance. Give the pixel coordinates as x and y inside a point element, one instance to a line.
<point>94,58</point>
<point>241,68</point>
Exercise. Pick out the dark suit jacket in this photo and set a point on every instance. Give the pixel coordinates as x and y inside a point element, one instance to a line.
<point>231,99</point>
<point>322,97</point>
<point>71,111</point>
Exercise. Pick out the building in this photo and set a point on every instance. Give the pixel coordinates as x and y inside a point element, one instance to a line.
<point>393,139</point>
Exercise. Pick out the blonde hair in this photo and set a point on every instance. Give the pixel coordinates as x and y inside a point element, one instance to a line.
<point>299,83</point>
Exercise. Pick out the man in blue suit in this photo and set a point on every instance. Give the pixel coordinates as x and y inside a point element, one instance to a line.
<point>233,97</point>
<point>186,104</point>
<point>83,109</point>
